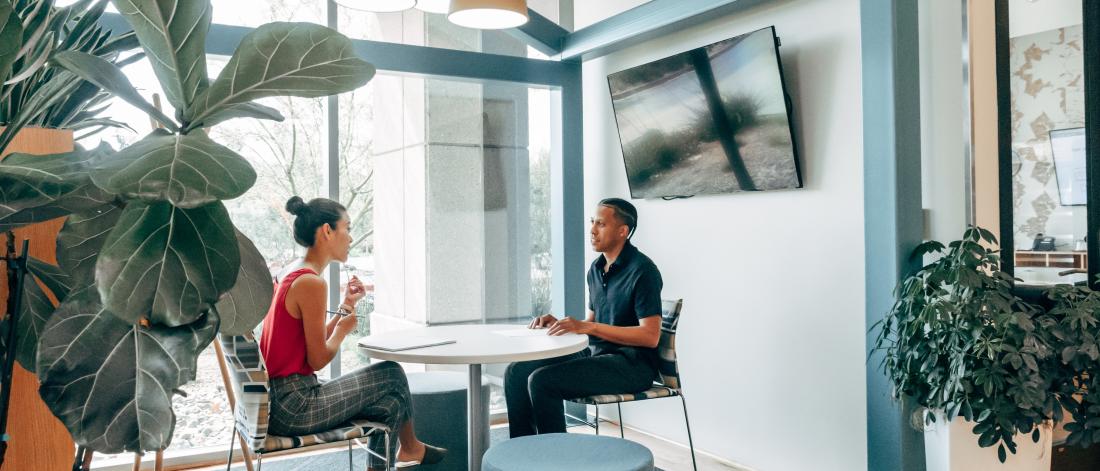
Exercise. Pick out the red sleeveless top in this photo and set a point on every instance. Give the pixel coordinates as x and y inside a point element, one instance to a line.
<point>283,341</point>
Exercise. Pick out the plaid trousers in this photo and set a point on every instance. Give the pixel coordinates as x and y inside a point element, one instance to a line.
<point>301,405</point>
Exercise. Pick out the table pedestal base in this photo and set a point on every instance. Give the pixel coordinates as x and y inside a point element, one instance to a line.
<point>479,429</point>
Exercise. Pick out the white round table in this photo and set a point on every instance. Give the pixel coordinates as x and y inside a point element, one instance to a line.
<point>476,345</point>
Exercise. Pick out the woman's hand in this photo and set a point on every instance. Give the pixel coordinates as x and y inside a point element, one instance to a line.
<point>354,291</point>
<point>346,324</point>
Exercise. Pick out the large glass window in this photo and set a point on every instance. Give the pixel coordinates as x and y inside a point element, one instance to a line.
<point>419,28</point>
<point>447,184</point>
<point>460,205</point>
<point>288,158</point>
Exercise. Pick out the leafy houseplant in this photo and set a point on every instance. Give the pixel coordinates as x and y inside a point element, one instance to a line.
<point>1074,321</point>
<point>958,340</point>
<point>150,266</point>
<point>33,94</point>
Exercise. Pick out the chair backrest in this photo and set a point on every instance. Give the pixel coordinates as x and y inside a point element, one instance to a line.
<point>249,379</point>
<point>668,372</point>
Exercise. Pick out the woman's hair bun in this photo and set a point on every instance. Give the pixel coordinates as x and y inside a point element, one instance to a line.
<point>296,206</point>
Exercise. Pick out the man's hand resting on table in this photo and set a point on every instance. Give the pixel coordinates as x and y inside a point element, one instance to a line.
<point>542,322</point>
<point>562,326</point>
<point>570,325</point>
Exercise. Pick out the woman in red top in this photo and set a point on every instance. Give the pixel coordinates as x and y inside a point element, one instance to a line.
<point>297,341</point>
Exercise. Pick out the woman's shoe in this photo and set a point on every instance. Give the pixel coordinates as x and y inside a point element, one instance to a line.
<point>432,455</point>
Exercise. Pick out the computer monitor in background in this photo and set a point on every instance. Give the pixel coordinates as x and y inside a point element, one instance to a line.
<point>1068,147</point>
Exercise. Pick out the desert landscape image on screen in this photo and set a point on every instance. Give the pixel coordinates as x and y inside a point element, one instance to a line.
<point>710,120</point>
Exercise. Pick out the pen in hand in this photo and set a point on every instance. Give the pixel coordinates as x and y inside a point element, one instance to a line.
<point>342,313</point>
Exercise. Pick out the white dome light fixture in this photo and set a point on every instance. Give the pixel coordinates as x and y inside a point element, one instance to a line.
<point>488,14</point>
<point>434,6</point>
<point>378,6</point>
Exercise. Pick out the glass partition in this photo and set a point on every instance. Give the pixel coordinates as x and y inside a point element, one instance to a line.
<point>447,183</point>
<point>1049,212</point>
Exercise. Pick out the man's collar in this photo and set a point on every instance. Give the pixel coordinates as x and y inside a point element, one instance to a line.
<point>625,255</point>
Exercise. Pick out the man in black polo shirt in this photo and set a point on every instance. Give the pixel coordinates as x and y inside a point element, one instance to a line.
<point>623,327</point>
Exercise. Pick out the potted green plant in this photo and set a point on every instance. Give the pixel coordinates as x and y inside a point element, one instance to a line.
<point>1074,322</point>
<point>150,266</point>
<point>961,344</point>
<point>41,109</point>
<point>35,95</point>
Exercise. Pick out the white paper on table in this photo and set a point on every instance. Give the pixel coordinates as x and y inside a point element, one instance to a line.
<point>397,344</point>
<point>522,332</point>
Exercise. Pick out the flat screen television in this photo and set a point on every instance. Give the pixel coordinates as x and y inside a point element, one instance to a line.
<point>715,119</point>
<point>1068,148</point>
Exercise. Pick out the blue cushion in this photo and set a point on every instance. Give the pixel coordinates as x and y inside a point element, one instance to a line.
<point>438,382</point>
<point>567,451</point>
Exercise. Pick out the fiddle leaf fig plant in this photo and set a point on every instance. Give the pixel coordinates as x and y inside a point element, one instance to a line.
<point>150,266</point>
<point>959,341</point>
<point>33,32</point>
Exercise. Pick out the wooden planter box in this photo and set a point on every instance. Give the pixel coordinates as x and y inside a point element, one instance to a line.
<point>38,440</point>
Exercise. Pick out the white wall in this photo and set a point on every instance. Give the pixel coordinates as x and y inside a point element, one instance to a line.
<point>772,334</point>
<point>1029,16</point>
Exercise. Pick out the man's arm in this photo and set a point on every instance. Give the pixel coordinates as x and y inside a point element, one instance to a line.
<point>648,334</point>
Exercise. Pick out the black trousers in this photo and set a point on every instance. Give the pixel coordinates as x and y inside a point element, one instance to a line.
<point>534,390</point>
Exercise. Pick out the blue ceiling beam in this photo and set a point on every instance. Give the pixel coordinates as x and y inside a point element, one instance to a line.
<point>645,22</point>
<point>406,59</point>
<point>541,33</point>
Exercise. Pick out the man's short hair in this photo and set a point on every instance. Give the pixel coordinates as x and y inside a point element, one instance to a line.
<point>625,211</point>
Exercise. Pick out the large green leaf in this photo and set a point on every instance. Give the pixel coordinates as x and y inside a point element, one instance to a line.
<point>246,304</point>
<point>243,110</point>
<point>109,77</point>
<point>56,280</point>
<point>111,382</point>
<point>34,311</point>
<point>11,38</point>
<point>166,263</point>
<point>187,170</point>
<point>296,59</point>
<point>80,240</point>
<point>35,188</point>
<point>173,34</point>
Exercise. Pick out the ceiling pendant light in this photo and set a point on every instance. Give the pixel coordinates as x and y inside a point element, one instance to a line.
<point>434,6</point>
<point>378,6</point>
<point>488,14</point>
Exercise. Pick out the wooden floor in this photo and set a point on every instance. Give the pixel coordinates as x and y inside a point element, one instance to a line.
<point>668,456</point>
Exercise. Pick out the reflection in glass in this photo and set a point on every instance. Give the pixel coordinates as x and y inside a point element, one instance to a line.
<point>1048,187</point>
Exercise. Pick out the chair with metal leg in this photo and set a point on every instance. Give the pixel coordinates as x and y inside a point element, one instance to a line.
<point>667,383</point>
<point>246,383</point>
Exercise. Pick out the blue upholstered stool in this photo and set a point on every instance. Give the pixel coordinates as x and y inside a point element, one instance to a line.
<point>439,413</point>
<point>567,451</point>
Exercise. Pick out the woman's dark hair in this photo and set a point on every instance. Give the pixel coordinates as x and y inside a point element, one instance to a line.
<point>316,213</point>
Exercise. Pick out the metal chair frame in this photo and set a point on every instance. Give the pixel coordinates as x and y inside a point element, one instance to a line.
<point>676,392</point>
<point>236,434</point>
<point>622,434</point>
<point>260,456</point>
